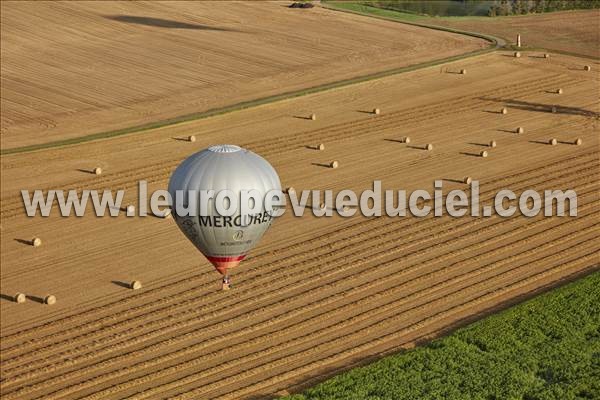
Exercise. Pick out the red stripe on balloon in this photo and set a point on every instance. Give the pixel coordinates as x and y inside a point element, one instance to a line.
<point>226,259</point>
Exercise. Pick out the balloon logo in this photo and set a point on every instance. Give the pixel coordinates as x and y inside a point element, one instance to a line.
<point>225,240</point>
<point>239,235</point>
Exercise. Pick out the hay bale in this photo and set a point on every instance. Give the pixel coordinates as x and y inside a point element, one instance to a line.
<point>492,143</point>
<point>50,299</point>
<point>520,130</point>
<point>320,147</point>
<point>517,54</point>
<point>313,117</point>
<point>578,142</point>
<point>504,110</point>
<point>546,55</point>
<point>192,138</point>
<point>483,154</point>
<point>552,142</point>
<point>406,139</point>
<point>20,298</point>
<point>559,91</point>
<point>135,285</point>
<point>463,71</point>
<point>587,68</point>
<point>467,180</point>
<point>98,171</point>
<point>334,164</point>
<point>376,111</point>
<point>428,147</point>
<point>36,242</point>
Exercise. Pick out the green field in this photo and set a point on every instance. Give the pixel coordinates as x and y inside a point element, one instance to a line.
<point>545,348</point>
<point>473,8</point>
<point>381,12</point>
<point>373,10</point>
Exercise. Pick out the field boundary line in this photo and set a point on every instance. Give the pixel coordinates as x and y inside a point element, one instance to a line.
<point>204,344</point>
<point>446,329</point>
<point>121,372</point>
<point>495,44</point>
<point>12,205</point>
<point>49,359</point>
<point>498,42</point>
<point>502,42</point>
<point>489,296</point>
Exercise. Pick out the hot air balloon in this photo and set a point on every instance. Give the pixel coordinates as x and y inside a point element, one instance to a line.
<point>223,239</point>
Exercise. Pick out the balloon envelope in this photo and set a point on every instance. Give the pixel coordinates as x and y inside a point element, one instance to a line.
<point>224,239</point>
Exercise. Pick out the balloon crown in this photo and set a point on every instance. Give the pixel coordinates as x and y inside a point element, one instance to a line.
<point>224,148</point>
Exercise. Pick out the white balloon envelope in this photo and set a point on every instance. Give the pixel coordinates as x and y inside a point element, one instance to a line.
<point>223,239</point>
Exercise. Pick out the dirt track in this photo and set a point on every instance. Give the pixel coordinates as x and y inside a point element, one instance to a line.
<point>318,293</point>
<point>108,66</point>
<point>572,31</point>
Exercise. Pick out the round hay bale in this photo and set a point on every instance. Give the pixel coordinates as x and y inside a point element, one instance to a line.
<point>504,110</point>
<point>463,71</point>
<point>552,142</point>
<point>546,55</point>
<point>587,68</point>
<point>520,130</point>
<point>493,143</point>
<point>135,285</point>
<point>467,180</point>
<point>406,140</point>
<point>334,164</point>
<point>554,110</point>
<point>290,190</point>
<point>483,154</point>
<point>98,171</point>
<point>428,147</point>
<point>36,242</point>
<point>517,54</point>
<point>376,111</point>
<point>321,147</point>
<point>50,299</point>
<point>20,298</point>
<point>130,209</point>
<point>578,142</point>
<point>192,138</point>
<point>559,91</point>
<point>313,117</point>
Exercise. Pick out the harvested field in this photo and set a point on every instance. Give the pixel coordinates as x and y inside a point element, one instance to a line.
<point>569,31</point>
<point>75,68</point>
<point>318,294</point>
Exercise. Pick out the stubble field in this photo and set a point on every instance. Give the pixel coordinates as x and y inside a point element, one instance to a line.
<point>73,69</point>
<point>569,31</point>
<point>318,294</point>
